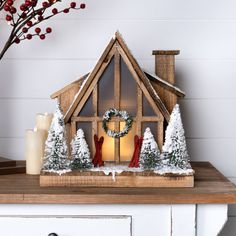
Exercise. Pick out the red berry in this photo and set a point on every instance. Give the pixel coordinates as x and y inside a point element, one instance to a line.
<point>9,2</point>
<point>66,10</point>
<point>40,18</point>
<point>23,7</point>
<point>13,10</point>
<point>8,18</point>
<point>45,4</point>
<point>54,11</point>
<point>24,30</point>
<point>29,36</point>
<point>27,3</point>
<point>29,23</point>
<point>33,3</point>
<point>49,30</point>
<point>73,4</point>
<point>37,30</point>
<point>42,36</point>
<point>6,8</point>
<point>82,5</point>
<point>23,15</point>
<point>17,40</point>
<point>40,13</point>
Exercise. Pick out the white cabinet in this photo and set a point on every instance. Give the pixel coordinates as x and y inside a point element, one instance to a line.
<point>112,220</point>
<point>65,226</point>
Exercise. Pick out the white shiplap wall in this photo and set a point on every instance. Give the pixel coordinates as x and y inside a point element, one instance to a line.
<point>204,31</point>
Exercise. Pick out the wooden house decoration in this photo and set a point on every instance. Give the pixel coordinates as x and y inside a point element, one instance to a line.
<point>117,81</point>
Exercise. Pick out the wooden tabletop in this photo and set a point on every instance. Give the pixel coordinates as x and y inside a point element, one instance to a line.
<point>210,187</point>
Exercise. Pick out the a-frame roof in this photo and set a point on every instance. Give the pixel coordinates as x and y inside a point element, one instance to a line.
<point>117,43</point>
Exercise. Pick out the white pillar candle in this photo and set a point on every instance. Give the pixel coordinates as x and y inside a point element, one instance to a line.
<point>34,150</point>
<point>43,121</point>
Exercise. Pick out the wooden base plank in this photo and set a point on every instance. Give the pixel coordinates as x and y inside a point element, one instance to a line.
<point>125,179</point>
<point>19,168</point>
<point>5,162</point>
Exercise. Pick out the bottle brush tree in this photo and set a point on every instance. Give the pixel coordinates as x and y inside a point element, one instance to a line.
<point>80,152</point>
<point>150,154</point>
<point>56,151</point>
<point>175,148</point>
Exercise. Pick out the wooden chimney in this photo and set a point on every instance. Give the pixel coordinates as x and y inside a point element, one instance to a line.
<point>165,69</point>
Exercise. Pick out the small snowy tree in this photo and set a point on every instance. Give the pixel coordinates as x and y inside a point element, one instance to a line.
<point>175,149</point>
<point>56,154</point>
<point>150,154</point>
<point>80,152</point>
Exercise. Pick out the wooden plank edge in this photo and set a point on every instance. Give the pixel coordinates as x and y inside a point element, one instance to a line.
<point>118,181</point>
<point>76,198</point>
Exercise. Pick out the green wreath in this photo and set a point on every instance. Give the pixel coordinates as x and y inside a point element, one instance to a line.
<point>124,115</point>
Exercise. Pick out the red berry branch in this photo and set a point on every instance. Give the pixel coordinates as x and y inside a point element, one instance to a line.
<point>24,19</point>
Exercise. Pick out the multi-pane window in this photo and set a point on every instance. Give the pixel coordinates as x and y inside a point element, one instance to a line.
<point>118,87</point>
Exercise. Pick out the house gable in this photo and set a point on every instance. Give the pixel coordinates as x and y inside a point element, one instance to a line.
<point>116,48</point>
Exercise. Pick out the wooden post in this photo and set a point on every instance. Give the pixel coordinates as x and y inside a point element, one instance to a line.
<point>95,110</point>
<point>165,69</point>
<point>117,101</point>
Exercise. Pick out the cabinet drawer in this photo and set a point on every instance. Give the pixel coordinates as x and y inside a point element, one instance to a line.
<point>66,225</point>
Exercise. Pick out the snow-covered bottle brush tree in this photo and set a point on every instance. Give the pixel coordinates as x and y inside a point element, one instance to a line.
<point>175,149</point>
<point>80,152</point>
<point>56,151</point>
<point>150,153</point>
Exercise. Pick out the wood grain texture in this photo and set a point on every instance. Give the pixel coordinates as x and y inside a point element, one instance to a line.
<point>5,162</point>
<point>210,187</point>
<point>125,179</point>
<point>18,168</point>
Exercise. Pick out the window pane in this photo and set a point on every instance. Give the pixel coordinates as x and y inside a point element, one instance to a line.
<point>108,147</point>
<point>106,89</point>
<point>128,90</point>
<point>87,109</point>
<point>147,109</point>
<point>87,128</point>
<point>152,126</point>
<point>127,143</point>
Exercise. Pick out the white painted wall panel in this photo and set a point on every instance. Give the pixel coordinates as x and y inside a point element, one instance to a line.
<point>19,114</point>
<point>195,77</point>
<point>86,39</point>
<point>208,118</point>
<point>45,76</point>
<point>158,9</point>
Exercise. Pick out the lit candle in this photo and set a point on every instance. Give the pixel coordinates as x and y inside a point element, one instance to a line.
<point>34,150</point>
<point>43,121</point>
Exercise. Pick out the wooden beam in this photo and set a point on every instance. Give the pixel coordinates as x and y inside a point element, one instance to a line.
<point>74,83</point>
<point>143,77</point>
<point>117,83</point>
<point>139,111</point>
<point>166,85</point>
<point>85,97</point>
<point>90,78</point>
<point>160,134</point>
<point>139,82</point>
<point>115,119</point>
<point>73,129</point>
<point>95,110</point>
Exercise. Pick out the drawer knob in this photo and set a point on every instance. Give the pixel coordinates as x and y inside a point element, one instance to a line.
<point>53,234</point>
